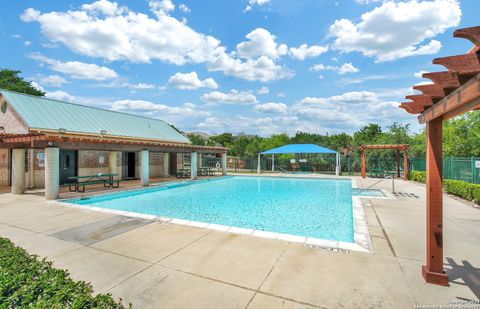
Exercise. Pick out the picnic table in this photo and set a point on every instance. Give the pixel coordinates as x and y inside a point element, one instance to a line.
<point>206,171</point>
<point>183,173</point>
<point>100,178</point>
<point>202,171</point>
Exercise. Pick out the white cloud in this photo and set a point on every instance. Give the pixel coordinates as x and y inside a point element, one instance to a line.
<point>304,51</point>
<point>37,86</point>
<point>241,124</point>
<point>345,112</point>
<point>184,8</point>
<point>397,29</point>
<point>252,3</point>
<point>104,7</point>
<point>153,109</point>
<point>76,69</point>
<point>261,69</point>
<point>161,7</point>
<point>271,108</point>
<point>27,43</point>
<point>139,38</point>
<point>420,73</point>
<point>60,96</point>
<point>190,81</point>
<point>52,80</point>
<point>134,86</point>
<point>263,90</point>
<point>343,69</point>
<point>261,43</point>
<point>232,97</point>
<point>30,15</point>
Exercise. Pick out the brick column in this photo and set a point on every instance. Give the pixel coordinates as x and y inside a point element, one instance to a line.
<point>433,271</point>
<point>224,163</point>
<point>144,168</point>
<point>52,173</point>
<point>405,165</point>
<point>18,171</point>
<point>194,165</point>
<point>166,164</point>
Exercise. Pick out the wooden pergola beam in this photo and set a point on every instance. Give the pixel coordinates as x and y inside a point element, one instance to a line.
<point>447,80</point>
<point>433,90</point>
<point>420,99</point>
<point>468,64</point>
<point>472,34</point>
<point>393,146</point>
<point>463,99</point>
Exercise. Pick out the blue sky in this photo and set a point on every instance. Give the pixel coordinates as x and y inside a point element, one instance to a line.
<point>243,66</point>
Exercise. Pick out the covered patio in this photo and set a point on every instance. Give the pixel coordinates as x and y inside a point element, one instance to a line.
<point>46,143</point>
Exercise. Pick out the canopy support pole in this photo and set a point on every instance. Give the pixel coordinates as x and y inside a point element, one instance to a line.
<point>258,164</point>
<point>337,165</point>
<point>273,163</point>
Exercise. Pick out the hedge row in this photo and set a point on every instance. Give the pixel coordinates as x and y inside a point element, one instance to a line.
<point>466,190</point>
<point>26,281</point>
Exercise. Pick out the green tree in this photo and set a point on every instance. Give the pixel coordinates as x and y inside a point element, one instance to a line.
<point>367,134</point>
<point>10,80</point>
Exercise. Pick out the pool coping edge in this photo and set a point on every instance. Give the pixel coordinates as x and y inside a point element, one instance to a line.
<point>362,241</point>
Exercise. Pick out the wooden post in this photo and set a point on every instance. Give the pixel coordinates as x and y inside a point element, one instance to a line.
<point>397,155</point>
<point>405,164</point>
<point>362,155</point>
<point>433,271</point>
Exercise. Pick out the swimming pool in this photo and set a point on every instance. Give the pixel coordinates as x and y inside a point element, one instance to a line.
<point>318,208</point>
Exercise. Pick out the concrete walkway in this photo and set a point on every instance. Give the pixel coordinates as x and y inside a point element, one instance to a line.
<point>153,264</point>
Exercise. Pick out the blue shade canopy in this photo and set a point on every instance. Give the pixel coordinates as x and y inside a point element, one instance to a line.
<point>299,148</point>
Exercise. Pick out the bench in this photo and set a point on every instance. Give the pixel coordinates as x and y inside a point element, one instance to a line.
<point>100,178</point>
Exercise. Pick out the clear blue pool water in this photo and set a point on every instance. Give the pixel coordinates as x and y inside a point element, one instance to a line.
<point>320,208</point>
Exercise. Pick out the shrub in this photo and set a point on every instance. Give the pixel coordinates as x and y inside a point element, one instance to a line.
<point>465,190</point>
<point>26,281</point>
<point>417,176</point>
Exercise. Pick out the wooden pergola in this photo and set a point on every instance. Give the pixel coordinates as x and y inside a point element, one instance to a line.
<point>397,147</point>
<point>452,93</point>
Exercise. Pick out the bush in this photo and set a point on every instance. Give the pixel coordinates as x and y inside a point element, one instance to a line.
<point>465,190</point>
<point>417,176</point>
<point>26,281</point>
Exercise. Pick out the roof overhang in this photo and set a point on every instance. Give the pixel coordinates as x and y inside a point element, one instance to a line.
<point>43,140</point>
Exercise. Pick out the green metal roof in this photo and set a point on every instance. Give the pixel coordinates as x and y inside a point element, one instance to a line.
<point>43,113</point>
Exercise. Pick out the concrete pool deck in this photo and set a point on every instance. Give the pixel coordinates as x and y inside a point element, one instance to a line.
<point>155,264</point>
